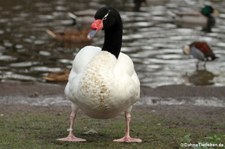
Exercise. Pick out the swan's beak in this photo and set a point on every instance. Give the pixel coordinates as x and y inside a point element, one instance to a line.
<point>91,34</point>
<point>95,27</point>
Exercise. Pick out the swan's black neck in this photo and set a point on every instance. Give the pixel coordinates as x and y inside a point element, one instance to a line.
<point>113,42</point>
<point>113,37</point>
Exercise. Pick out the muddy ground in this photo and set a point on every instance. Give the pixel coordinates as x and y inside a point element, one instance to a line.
<point>11,92</point>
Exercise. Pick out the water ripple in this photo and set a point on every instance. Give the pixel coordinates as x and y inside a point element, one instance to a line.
<point>151,38</point>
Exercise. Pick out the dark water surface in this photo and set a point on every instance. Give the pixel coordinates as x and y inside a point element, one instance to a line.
<point>151,38</point>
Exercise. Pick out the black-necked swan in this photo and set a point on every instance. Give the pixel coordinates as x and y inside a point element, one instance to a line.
<point>103,82</point>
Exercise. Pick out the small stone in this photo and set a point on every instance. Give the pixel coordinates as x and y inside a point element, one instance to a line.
<point>91,132</point>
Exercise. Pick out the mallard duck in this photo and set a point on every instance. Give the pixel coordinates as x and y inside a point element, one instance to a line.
<point>73,31</point>
<point>70,35</point>
<point>103,82</point>
<point>204,18</point>
<point>201,51</point>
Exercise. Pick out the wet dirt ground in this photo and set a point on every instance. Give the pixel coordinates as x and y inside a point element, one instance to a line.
<point>166,100</point>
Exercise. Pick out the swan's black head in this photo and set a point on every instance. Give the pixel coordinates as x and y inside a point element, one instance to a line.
<point>109,20</point>
<point>106,18</point>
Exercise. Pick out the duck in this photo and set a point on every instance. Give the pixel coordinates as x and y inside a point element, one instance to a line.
<point>205,18</point>
<point>71,35</point>
<point>73,31</point>
<point>201,51</point>
<point>102,82</point>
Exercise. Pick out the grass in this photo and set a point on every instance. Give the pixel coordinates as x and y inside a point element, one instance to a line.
<point>39,127</point>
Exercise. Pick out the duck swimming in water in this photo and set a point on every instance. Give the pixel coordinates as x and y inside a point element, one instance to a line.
<point>205,18</point>
<point>75,32</point>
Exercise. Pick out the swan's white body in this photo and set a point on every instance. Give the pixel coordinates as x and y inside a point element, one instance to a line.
<point>101,85</point>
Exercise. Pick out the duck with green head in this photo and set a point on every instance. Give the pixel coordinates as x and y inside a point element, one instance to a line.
<point>204,18</point>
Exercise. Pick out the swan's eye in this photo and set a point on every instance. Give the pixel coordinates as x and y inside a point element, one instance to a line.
<point>105,17</point>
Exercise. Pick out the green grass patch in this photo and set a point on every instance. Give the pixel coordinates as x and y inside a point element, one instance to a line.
<point>39,127</point>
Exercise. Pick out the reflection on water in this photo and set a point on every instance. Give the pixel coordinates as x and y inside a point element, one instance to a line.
<point>151,38</point>
<point>200,77</point>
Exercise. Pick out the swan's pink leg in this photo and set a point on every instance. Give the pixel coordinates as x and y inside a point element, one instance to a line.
<point>71,137</point>
<point>127,137</point>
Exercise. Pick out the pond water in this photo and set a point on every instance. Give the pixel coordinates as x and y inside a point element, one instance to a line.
<point>154,42</point>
